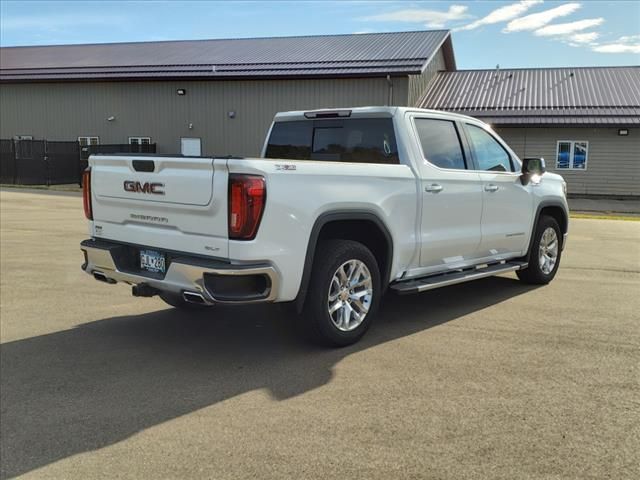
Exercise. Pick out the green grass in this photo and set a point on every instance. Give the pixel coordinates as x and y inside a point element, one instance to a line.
<point>55,188</point>
<point>605,216</point>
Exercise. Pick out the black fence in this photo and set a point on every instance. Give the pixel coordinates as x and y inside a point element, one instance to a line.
<point>87,150</point>
<point>7,162</point>
<point>42,162</point>
<point>23,162</point>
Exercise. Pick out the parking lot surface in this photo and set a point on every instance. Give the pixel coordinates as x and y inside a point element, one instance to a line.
<point>490,379</point>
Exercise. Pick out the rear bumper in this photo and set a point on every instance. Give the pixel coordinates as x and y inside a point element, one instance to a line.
<point>217,281</point>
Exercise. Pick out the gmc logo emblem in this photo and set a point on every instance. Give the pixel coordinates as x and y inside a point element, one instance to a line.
<point>147,187</point>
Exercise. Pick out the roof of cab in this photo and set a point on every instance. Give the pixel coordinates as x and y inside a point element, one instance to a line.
<point>360,112</point>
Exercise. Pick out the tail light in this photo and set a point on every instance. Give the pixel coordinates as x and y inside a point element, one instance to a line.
<point>86,193</point>
<point>247,195</point>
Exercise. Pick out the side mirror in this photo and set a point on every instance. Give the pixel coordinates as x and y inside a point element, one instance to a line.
<point>532,167</point>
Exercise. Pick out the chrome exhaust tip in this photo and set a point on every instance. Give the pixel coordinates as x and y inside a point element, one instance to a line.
<point>193,297</point>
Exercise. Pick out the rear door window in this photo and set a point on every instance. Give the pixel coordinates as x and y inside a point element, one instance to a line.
<point>440,143</point>
<point>359,140</point>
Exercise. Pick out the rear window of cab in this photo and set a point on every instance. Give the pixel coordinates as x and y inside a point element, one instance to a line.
<point>359,140</point>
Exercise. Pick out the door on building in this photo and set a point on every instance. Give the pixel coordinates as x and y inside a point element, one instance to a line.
<point>190,147</point>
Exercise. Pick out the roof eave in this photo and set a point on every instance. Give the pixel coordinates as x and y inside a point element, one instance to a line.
<point>248,76</point>
<point>611,121</point>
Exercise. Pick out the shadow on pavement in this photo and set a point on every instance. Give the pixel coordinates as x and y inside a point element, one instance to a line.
<point>83,389</point>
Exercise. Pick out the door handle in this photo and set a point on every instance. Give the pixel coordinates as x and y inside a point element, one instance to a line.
<point>433,188</point>
<point>491,188</point>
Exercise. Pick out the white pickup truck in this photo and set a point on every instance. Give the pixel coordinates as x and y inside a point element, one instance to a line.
<point>342,206</point>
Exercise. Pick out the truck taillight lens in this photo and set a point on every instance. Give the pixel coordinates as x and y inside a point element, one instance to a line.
<point>86,193</point>
<point>247,195</point>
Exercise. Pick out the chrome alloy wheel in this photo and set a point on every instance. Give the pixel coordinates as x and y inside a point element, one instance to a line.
<point>350,295</point>
<point>548,250</point>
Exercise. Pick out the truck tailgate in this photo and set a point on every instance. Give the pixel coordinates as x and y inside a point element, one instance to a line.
<point>172,203</point>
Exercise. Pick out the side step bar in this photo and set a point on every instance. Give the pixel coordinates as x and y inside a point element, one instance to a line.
<point>423,284</point>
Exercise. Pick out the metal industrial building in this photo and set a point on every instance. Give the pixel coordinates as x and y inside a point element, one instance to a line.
<point>585,122</point>
<point>210,96</point>
<point>218,97</point>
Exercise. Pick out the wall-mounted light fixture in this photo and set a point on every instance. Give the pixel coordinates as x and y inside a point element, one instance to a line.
<point>111,118</point>
<point>191,126</point>
<point>623,132</point>
<point>181,91</point>
<point>231,114</point>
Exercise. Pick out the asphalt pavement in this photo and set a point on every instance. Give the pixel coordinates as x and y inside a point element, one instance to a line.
<point>490,379</point>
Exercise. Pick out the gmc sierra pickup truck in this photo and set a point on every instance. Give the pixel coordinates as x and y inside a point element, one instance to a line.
<point>342,206</point>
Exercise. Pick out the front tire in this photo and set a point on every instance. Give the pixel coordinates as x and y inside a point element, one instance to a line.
<point>344,293</point>
<point>545,253</point>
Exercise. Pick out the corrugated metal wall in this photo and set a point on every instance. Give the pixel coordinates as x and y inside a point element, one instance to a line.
<point>613,162</point>
<point>418,83</point>
<point>64,111</point>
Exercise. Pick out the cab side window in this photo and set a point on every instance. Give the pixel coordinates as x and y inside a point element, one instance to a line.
<point>489,154</point>
<point>440,143</point>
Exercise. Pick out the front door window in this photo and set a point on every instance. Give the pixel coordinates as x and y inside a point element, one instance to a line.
<point>490,155</point>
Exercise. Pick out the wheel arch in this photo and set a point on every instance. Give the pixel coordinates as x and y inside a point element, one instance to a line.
<point>363,226</point>
<point>554,209</point>
<point>558,213</point>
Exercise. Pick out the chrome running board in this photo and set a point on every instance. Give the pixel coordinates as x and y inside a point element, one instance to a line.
<point>422,284</point>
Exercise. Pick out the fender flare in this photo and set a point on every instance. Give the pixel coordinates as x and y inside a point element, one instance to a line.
<point>340,215</point>
<point>536,218</point>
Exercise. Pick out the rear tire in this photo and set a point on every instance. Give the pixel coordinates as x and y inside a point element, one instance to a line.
<point>344,293</point>
<point>175,300</point>
<point>545,253</point>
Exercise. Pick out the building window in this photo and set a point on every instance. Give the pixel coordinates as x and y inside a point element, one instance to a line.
<point>84,141</point>
<point>572,155</point>
<point>139,140</point>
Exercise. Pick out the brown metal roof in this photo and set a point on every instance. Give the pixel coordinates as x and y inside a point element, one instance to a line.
<point>584,95</point>
<point>329,55</point>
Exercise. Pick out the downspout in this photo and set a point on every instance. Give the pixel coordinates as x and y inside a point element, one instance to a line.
<point>390,96</point>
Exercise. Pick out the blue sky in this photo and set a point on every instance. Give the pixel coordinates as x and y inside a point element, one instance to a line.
<point>522,33</point>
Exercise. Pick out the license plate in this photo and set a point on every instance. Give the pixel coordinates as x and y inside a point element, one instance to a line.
<point>152,261</point>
